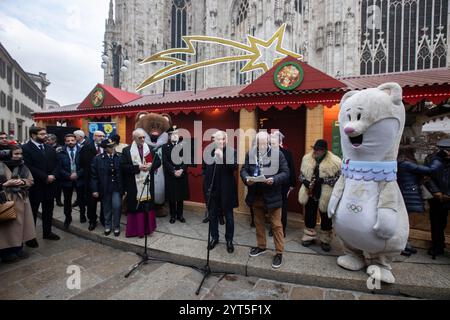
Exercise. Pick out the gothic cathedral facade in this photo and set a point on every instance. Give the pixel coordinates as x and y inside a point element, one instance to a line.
<point>339,37</point>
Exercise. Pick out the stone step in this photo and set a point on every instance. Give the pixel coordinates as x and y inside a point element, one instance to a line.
<point>419,278</point>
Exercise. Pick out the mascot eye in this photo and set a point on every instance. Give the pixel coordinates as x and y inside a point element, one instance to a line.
<point>359,116</point>
<point>349,118</point>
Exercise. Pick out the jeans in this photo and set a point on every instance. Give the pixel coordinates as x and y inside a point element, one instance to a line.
<point>112,207</point>
<point>214,220</point>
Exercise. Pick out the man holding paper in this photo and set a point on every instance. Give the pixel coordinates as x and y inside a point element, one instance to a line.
<point>264,172</point>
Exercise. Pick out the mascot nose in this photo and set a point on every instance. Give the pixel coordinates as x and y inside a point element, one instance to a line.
<point>349,130</point>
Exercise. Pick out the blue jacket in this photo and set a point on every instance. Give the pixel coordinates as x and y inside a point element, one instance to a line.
<point>64,169</point>
<point>409,178</point>
<point>101,176</point>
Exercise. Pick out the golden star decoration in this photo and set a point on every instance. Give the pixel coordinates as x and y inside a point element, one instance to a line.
<point>252,54</point>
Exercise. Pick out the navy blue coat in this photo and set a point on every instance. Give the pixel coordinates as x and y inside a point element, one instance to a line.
<point>409,178</point>
<point>440,179</point>
<point>100,173</point>
<point>64,169</point>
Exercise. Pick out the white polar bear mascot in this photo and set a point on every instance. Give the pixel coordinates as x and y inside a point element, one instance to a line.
<point>369,215</point>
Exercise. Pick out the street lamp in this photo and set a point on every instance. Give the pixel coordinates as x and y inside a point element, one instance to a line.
<point>120,61</point>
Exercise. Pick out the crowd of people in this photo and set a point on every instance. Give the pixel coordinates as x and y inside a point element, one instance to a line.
<point>39,173</point>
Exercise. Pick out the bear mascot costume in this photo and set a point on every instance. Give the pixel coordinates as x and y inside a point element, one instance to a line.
<point>369,215</point>
<point>155,126</point>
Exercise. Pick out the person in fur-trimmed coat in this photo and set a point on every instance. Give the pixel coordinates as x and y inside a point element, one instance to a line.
<point>320,169</point>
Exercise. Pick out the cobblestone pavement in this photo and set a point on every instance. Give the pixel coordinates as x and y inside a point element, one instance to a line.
<point>49,272</point>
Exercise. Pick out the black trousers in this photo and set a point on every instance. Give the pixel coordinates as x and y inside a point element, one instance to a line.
<point>176,209</point>
<point>47,213</point>
<point>68,191</point>
<point>91,203</point>
<point>438,221</point>
<point>311,209</point>
<point>58,190</point>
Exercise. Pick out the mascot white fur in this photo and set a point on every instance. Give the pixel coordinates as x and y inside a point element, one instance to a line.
<point>369,215</point>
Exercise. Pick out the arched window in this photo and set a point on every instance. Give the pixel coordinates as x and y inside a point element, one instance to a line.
<point>178,30</point>
<point>240,15</point>
<point>422,44</point>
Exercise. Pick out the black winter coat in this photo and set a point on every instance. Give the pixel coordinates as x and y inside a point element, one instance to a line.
<point>225,185</point>
<point>292,182</point>
<point>41,165</point>
<point>440,178</point>
<point>271,193</point>
<point>177,188</point>
<point>409,180</point>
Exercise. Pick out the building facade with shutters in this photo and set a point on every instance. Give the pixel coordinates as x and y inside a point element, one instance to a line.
<point>19,97</point>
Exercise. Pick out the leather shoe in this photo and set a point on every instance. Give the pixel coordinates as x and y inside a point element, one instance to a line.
<point>52,236</point>
<point>230,247</point>
<point>83,218</point>
<point>32,243</point>
<point>213,244</point>
<point>182,220</point>
<point>172,220</point>
<point>67,224</point>
<point>92,226</point>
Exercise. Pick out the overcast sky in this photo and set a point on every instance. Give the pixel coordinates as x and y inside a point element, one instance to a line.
<point>60,38</point>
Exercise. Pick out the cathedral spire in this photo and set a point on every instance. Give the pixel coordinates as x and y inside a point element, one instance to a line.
<point>111,12</point>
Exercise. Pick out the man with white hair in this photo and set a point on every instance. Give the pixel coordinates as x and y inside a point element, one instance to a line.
<point>221,186</point>
<point>138,164</point>
<point>80,137</point>
<point>264,173</point>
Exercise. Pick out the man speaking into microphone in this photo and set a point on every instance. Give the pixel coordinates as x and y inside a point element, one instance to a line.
<point>220,185</point>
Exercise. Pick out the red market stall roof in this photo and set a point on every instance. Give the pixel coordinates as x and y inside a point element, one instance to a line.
<point>316,88</point>
<point>112,97</point>
<point>432,84</point>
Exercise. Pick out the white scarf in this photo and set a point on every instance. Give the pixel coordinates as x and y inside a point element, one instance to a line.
<point>142,175</point>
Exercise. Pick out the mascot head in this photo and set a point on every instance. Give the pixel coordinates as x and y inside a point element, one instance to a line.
<point>371,123</point>
<point>155,125</point>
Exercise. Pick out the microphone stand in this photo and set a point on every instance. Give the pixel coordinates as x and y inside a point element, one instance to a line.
<point>207,269</point>
<point>144,256</point>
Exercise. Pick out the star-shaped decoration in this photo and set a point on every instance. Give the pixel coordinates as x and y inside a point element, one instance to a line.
<point>274,45</point>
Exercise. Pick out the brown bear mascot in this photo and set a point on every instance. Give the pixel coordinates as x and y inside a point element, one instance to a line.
<point>156,125</point>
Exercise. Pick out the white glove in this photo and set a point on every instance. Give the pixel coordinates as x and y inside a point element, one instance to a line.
<point>386,224</point>
<point>332,205</point>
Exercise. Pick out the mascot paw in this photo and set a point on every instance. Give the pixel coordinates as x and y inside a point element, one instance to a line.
<point>386,223</point>
<point>332,206</point>
<point>380,274</point>
<point>350,262</point>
